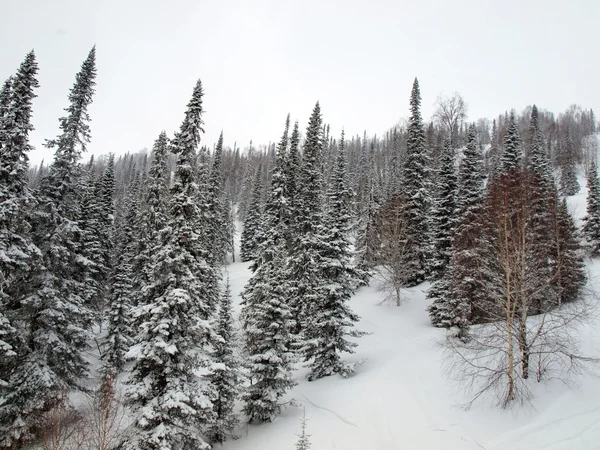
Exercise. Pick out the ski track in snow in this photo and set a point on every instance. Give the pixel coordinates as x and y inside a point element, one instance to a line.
<point>328,410</point>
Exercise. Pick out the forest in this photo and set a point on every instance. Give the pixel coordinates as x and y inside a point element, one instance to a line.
<point>125,257</point>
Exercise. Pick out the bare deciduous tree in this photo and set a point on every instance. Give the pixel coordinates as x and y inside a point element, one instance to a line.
<point>451,112</point>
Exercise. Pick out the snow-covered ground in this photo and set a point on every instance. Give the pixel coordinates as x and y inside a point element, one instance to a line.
<point>400,398</point>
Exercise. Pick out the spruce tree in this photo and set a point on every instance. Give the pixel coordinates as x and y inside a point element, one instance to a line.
<point>331,321</point>
<point>251,233</point>
<point>216,226</point>
<point>305,257</point>
<point>169,399</point>
<point>292,170</point>
<point>415,179</point>
<point>569,185</point>
<point>567,261</point>
<point>266,315</point>
<point>591,222</point>
<point>55,317</point>
<point>122,289</point>
<point>225,376</point>
<point>443,212</point>
<point>512,156</point>
<point>303,442</point>
<point>457,290</point>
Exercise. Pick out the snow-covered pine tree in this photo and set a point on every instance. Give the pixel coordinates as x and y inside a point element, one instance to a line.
<point>225,375</point>
<point>122,289</point>
<point>19,254</point>
<point>567,261</point>
<point>456,290</point>
<point>443,212</point>
<point>512,156</point>
<point>251,233</point>
<point>305,258</point>
<point>169,401</point>
<point>266,315</point>
<point>541,192</point>
<point>569,185</point>
<point>291,172</point>
<point>215,224</point>
<point>52,310</point>
<point>415,186</point>
<point>153,216</point>
<point>591,222</point>
<point>331,321</point>
<point>303,442</point>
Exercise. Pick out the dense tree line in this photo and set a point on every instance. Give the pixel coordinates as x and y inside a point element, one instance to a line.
<point>129,250</point>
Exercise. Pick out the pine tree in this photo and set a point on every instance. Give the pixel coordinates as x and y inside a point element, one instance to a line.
<point>252,225</point>
<point>266,315</point>
<point>225,376</point>
<point>443,212</point>
<point>415,181</point>
<point>456,290</point>
<point>567,261</point>
<point>541,192</point>
<point>569,185</point>
<point>122,289</point>
<point>305,257</point>
<point>53,312</point>
<point>168,398</point>
<point>512,157</point>
<point>591,222</point>
<point>331,321</point>
<point>292,170</point>
<point>215,226</point>
<point>303,442</point>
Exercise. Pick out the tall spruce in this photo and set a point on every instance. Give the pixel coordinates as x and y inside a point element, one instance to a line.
<point>252,231</point>
<point>457,289</point>
<point>169,399</point>
<point>591,222</point>
<point>55,317</point>
<point>266,315</point>
<point>305,256</point>
<point>569,185</point>
<point>216,226</point>
<point>225,376</point>
<point>415,179</point>
<point>443,212</point>
<point>512,156</point>
<point>331,321</point>
<point>21,374</point>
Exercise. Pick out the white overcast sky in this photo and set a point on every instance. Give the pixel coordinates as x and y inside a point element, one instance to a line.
<point>260,59</point>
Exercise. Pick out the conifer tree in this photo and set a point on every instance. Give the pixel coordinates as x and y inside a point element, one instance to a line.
<point>591,222</point>
<point>215,226</point>
<point>331,321</point>
<point>122,290</point>
<point>303,442</point>
<point>266,315</point>
<point>225,375</point>
<point>53,312</point>
<point>457,290</point>
<point>251,233</point>
<point>512,156</point>
<point>305,257</point>
<point>569,185</point>
<point>567,261</point>
<point>154,213</point>
<point>415,181</point>
<point>443,212</point>
<point>169,400</point>
<point>291,172</point>
<point>20,256</point>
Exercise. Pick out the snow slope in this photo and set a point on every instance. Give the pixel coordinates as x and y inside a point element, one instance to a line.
<point>400,399</point>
